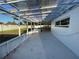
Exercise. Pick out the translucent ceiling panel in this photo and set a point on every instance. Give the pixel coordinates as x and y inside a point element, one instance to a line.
<point>35,4</point>
<point>10,0</point>
<point>1,1</point>
<point>2,12</point>
<point>8,7</point>
<point>13,1</point>
<point>76,1</point>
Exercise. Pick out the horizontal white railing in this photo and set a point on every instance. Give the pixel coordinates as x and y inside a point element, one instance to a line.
<point>14,27</point>
<point>10,45</point>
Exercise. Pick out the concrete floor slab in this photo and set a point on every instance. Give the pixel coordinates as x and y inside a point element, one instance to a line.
<point>42,46</point>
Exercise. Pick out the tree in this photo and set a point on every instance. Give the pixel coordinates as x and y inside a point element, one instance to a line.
<point>12,23</point>
<point>1,23</point>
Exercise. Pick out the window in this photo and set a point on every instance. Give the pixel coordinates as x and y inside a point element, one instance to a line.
<point>63,23</point>
<point>58,23</point>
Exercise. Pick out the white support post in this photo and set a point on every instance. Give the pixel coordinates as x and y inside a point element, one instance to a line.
<point>31,26</point>
<point>27,27</point>
<point>34,26</point>
<point>40,24</point>
<point>19,31</point>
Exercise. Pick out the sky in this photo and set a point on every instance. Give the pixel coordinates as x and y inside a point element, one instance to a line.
<point>5,18</point>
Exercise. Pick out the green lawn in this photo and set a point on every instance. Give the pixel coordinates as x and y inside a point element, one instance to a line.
<point>13,31</point>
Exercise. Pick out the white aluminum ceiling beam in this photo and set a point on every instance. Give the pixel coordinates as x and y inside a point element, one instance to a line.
<point>34,16</point>
<point>11,1</point>
<point>44,12</point>
<point>46,7</point>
